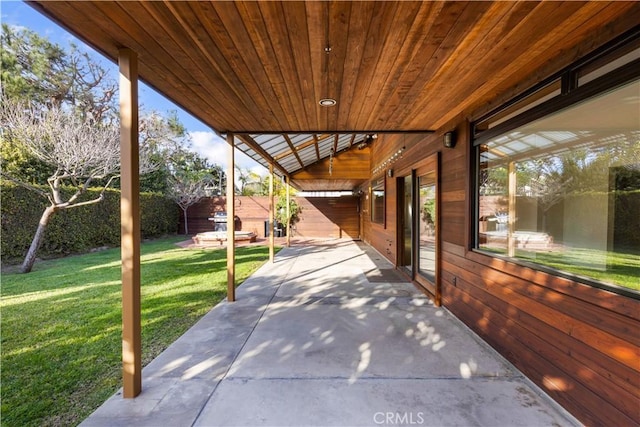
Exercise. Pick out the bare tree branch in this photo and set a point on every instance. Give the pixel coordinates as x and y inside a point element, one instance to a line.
<point>27,186</point>
<point>187,189</point>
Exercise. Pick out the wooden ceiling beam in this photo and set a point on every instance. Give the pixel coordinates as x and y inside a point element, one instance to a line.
<point>258,149</point>
<point>297,148</point>
<point>315,141</point>
<point>293,150</point>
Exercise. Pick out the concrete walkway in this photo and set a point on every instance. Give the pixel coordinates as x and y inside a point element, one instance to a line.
<point>330,335</point>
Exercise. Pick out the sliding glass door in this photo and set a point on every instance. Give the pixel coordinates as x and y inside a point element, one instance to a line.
<point>418,225</point>
<point>427,225</point>
<point>406,224</point>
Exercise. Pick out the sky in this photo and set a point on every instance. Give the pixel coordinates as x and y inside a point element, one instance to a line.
<point>204,140</point>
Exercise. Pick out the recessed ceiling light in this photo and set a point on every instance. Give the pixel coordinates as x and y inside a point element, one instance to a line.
<point>327,102</point>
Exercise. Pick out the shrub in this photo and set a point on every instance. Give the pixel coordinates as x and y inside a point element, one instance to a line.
<point>159,215</point>
<point>588,217</point>
<point>627,209</point>
<point>77,229</point>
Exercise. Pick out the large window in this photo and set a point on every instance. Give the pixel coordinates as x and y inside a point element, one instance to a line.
<point>563,191</point>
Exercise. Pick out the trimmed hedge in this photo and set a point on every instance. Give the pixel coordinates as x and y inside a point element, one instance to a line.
<point>627,211</point>
<point>78,229</point>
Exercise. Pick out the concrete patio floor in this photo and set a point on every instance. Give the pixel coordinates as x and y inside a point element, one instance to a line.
<point>330,335</point>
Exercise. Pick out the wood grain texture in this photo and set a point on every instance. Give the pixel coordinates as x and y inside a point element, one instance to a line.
<point>588,395</point>
<point>397,66</point>
<point>323,217</point>
<point>263,66</point>
<point>353,165</point>
<point>328,217</point>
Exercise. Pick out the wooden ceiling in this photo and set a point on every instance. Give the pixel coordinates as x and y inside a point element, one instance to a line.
<point>294,155</point>
<point>260,67</point>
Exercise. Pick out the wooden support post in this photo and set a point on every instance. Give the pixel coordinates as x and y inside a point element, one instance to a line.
<point>231,224</point>
<point>288,213</point>
<point>511,239</point>
<point>271,216</point>
<point>130,225</point>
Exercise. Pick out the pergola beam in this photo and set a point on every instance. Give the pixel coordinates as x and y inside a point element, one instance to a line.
<point>315,141</point>
<point>130,225</point>
<point>247,139</point>
<point>301,146</point>
<point>293,149</point>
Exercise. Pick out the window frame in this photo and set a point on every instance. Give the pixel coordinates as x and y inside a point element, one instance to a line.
<point>377,184</point>
<point>570,94</point>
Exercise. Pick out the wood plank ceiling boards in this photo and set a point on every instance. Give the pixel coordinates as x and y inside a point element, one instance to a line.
<point>260,69</point>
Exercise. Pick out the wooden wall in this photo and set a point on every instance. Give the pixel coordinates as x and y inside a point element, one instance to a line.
<point>322,217</point>
<point>580,344</point>
<point>198,214</point>
<point>335,217</point>
<point>384,236</point>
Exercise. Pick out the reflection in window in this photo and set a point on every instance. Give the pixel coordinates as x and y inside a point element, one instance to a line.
<point>377,201</point>
<point>427,225</point>
<point>407,223</point>
<point>564,191</point>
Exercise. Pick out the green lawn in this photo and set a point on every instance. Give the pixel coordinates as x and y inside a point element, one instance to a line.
<point>620,268</point>
<point>61,324</point>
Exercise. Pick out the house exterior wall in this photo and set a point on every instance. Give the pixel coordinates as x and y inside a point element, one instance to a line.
<point>580,344</point>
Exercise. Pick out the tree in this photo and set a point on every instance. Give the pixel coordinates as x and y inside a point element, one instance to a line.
<point>58,123</point>
<point>59,127</point>
<point>43,74</point>
<point>47,75</point>
<point>168,142</point>
<point>281,211</point>
<point>189,181</point>
<point>165,138</point>
<point>280,193</point>
<point>219,179</point>
<point>251,183</point>
<point>80,151</point>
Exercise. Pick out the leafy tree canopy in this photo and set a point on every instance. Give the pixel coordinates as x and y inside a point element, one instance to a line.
<point>43,76</point>
<point>47,75</point>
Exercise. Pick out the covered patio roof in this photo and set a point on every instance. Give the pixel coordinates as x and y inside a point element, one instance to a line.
<point>260,69</point>
<point>315,74</point>
<point>292,154</point>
